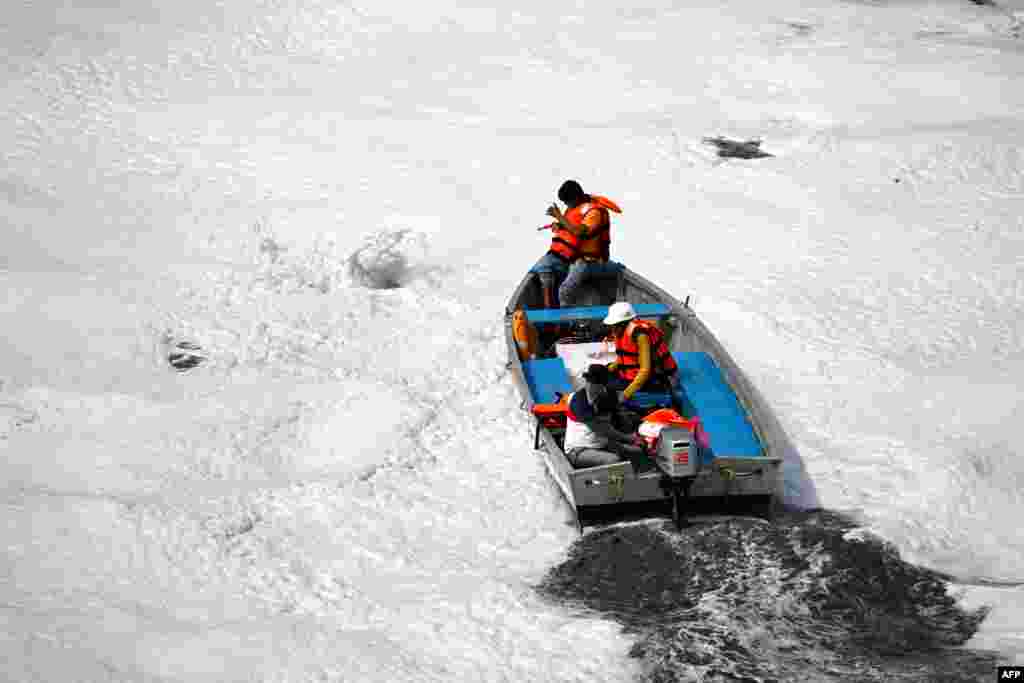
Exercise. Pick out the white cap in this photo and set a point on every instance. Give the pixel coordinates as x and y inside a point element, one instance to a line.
<point>620,312</point>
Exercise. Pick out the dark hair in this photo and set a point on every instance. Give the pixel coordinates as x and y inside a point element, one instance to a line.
<point>571,193</point>
<point>597,373</point>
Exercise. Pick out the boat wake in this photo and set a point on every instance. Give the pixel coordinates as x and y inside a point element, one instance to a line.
<point>810,597</point>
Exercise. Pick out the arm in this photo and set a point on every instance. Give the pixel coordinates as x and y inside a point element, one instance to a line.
<point>561,220</point>
<point>605,429</point>
<point>591,221</point>
<point>622,430</point>
<point>600,424</point>
<point>644,350</point>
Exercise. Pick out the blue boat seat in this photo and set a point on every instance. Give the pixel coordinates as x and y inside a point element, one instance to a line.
<point>541,316</point>
<point>706,394</point>
<point>649,400</point>
<point>546,377</point>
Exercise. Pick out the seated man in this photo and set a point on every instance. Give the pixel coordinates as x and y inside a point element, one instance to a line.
<point>643,361</point>
<point>590,437</point>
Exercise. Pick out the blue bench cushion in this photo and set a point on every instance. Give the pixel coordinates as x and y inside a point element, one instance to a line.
<point>649,400</point>
<point>563,315</point>
<point>545,377</point>
<point>705,393</point>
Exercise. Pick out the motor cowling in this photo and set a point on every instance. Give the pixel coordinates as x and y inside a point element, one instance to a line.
<point>676,452</point>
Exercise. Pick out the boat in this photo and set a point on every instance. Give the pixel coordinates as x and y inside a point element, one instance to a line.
<point>732,458</point>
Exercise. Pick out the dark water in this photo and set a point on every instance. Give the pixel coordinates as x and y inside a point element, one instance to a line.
<point>741,599</point>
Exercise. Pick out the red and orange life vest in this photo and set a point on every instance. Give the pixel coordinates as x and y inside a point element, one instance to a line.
<point>597,244</point>
<point>628,352</point>
<point>564,244</point>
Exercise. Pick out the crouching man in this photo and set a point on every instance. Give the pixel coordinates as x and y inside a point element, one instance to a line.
<point>591,434</point>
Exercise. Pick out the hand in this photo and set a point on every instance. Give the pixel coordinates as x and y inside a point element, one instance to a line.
<point>557,214</point>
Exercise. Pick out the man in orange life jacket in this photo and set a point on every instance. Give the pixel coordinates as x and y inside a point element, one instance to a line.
<point>552,268</point>
<point>642,358</point>
<point>588,219</point>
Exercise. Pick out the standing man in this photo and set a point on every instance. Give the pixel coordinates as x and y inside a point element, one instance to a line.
<point>591,439</point>
<point>553,266</point>
<point>589,220</point>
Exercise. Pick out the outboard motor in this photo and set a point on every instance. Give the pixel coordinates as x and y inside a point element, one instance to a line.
<point>677,458</point>
<point>677,452</point>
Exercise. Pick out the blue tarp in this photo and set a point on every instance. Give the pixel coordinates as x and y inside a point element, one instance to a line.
<point>562,315</point>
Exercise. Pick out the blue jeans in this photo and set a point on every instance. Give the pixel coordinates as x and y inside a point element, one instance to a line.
<point>550,270</point>
<point>549,263</point>
<point>581,271</point>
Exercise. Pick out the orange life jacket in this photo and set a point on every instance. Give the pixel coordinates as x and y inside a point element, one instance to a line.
<point>628,352</point>
<point>650,428</point>
<point>525,335</point>
<point>597,244</point>
<point>564,244</point>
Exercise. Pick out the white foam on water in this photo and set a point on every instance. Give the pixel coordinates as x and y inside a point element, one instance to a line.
<point>344,488</point>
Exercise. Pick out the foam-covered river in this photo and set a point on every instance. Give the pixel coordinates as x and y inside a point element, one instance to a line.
<point>318,210</point>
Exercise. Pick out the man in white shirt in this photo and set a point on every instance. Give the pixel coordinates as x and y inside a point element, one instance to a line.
<point>591,438</point>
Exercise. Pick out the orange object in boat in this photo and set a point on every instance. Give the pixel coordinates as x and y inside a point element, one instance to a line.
<point>668,417</point>
<point>525,335</point>
<point>553,414</point>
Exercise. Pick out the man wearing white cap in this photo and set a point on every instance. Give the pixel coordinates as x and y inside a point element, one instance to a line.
<point>642,358</point>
